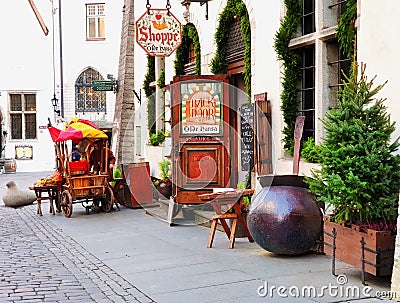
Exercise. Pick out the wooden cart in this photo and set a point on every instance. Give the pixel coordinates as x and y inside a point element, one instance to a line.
<point>81,186</point>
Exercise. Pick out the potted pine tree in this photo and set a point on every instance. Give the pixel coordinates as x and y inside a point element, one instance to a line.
<point>164,185</point>
<point>359,178</point>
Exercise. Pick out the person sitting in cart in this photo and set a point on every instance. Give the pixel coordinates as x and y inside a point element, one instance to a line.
<point>96,156</point>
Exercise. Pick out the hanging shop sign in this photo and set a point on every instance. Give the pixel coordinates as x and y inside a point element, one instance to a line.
<point>158,32</point>
<point>201,108</point>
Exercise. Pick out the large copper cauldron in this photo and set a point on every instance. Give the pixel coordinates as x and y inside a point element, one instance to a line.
<point>284,217</point>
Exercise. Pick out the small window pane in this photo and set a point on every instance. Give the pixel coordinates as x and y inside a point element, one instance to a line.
<point>16,126</point>
<point>308,17</point>
<point>100,9</point>
<point>308,78</point>
<point>91,10</point>
<point>92,27</point>
<point>308,6</point>
<point>308,102</point>
<point>101,27</point>
<point>309,127</point>
<point>30,126</point>
<point>30,102</point>
<point>15,102</point>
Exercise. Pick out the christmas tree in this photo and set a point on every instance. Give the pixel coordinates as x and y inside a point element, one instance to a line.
<point>359,174</point>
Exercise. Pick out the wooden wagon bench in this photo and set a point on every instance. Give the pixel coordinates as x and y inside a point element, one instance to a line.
<point>221,202</point>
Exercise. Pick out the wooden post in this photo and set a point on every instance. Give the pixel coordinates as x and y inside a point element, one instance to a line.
<point>39,18</point>
<point>298,132</point>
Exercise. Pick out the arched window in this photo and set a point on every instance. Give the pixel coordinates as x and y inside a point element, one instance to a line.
<point>188,56</point>
<point>86,99</point>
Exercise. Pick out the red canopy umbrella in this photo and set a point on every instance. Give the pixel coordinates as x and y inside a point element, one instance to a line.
<point>88,122</point>
<point>76,130</point>
<point>54,132</point>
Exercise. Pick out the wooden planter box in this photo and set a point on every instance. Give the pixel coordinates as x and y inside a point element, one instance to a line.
<point>372,252</point>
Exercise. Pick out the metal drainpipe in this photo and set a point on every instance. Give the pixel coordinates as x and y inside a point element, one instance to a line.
<point>61,62</point>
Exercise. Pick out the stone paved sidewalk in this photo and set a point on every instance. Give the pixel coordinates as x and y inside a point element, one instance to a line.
<point>39,263</point>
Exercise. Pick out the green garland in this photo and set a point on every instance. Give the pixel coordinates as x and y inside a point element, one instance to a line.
<point>150,94</point>
<point>233,9</point>
<point>291,69</point>
<point>291,62</point>
<point>346,31</point>
<point>189,34</point>
<point>161,79</point>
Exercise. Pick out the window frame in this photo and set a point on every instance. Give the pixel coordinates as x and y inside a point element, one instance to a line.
<point>98,18</point>
<point>23,113</point>
<point>308,19</point>
<point>306,90</point>
<point>340,5</point>
<point>328,76</point>
<point>340,64</point>
<point>84,92</point>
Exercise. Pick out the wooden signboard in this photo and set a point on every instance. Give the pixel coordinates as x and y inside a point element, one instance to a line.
<point>201,138</point>
<point>158,32</point>
<point>247,136</point>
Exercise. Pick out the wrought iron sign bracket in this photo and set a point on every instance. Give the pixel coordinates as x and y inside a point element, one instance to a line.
<point>138,96</point>
<point>202,2</point>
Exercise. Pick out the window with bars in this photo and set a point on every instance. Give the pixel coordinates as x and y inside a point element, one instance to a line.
<point>307,90</point>
<point>308,17</point>
<point>339,6</point>
<point>333,68</point>
<point>339,67</point>
<point>95,27</point>
<point>235,45</point>
<point>192,53</point>
<point>190,61</point>
<point>86,99</point>
<point>22,115</point>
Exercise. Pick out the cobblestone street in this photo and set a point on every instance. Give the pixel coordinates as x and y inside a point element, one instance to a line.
<point>130,256</point>
<point>39,263</point>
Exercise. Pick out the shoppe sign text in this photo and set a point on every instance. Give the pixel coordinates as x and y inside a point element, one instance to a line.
<point>158,32</point>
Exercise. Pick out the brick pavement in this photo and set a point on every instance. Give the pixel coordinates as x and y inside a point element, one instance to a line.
<point>40,263</point>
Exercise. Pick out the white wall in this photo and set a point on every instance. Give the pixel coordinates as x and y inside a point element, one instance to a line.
<point>379,49</point>
<point>79,53</point>
<point>26,65</point>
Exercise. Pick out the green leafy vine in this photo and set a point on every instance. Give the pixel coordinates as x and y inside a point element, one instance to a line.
<point>291,69</point>
<point>161,79</point>
<point>233,10</point>
<point>150,94</point>
<point>290,101</point>
<point>189,34</point>
<point>346,31</point>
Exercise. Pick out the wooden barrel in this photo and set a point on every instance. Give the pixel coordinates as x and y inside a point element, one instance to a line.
<point>9,165</point>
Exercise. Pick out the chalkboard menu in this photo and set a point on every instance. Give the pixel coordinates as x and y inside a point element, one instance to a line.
<point>247,136</point>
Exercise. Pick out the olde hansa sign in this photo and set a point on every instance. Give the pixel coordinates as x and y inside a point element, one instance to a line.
<point>201,110</point>
<point>158,32</point>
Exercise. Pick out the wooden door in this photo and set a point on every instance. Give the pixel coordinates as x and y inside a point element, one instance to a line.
<point>201,145</point>
<point>263,140</point>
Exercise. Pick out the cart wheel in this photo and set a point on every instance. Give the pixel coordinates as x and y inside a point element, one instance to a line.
<point>108,200</point>
<point>66,203</point>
